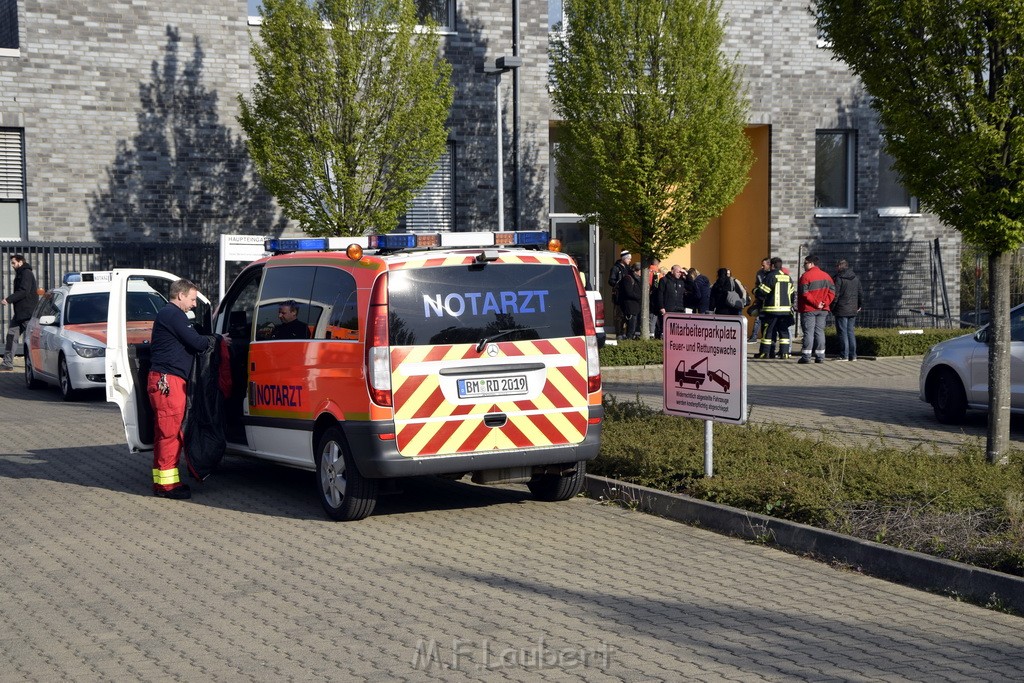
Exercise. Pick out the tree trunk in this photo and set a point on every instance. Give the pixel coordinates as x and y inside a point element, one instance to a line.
<point>998,358</point>
<point>645,299</point>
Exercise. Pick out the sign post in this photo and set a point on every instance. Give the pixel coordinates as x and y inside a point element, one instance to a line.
<point>705,369</point>
<point>245,248</point>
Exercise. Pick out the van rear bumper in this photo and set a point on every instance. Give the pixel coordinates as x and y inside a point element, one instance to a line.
<point>379,459</point>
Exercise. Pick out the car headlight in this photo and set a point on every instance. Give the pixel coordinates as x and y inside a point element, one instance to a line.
<point>86,351</point>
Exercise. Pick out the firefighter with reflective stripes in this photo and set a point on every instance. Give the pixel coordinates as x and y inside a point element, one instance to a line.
<point>777,296</point>
<point>172,349</point>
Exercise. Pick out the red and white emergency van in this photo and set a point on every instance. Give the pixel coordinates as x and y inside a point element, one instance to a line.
<point>427,354</point>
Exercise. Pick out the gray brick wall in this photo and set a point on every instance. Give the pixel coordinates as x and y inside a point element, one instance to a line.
<point>130,133</point>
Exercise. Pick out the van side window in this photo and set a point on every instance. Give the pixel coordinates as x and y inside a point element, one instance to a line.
<point>286,287</point>
<point>241,302</point>
<point>335,291</point>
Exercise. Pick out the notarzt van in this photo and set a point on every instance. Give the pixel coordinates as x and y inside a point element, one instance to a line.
<point>426,354</point>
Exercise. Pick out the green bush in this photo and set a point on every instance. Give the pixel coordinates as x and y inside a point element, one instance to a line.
<point>876,342</point>
<point>956,506</point>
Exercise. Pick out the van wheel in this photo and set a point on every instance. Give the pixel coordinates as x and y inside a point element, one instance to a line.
<point>67,391</point>
<point>948,399</point>
<point>553,487</point>
<point>30,374</point>
<point>345,494</point>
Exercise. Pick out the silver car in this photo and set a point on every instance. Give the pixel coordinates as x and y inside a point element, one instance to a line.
<point>954,373</point>
<point>66,338</point>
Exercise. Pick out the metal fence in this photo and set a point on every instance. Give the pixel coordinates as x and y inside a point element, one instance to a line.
<point>198,262</point>
<point>903,284</point>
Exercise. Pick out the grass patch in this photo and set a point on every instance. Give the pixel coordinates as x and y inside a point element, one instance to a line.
<point>878,342</point>
<point>953,506</point>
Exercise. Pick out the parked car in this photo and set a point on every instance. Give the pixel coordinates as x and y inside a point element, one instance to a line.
<point>954,373</point>
<point>65,340</point>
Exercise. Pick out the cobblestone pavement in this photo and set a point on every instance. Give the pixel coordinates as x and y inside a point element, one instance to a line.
<point>100,581</point>
<point>869,401</point>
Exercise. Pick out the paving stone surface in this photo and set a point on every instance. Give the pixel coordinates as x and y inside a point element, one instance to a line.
<point>449,581</point>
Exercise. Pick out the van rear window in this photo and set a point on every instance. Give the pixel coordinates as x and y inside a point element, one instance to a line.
<point>465,304</point>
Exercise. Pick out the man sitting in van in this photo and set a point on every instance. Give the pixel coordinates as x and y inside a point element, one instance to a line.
<point>291,327</point>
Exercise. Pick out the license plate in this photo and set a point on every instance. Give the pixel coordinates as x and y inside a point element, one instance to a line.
<point>512,385</point>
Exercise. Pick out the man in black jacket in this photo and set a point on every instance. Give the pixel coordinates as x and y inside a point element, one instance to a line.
<point>23,298</point>
<point>847,304</point>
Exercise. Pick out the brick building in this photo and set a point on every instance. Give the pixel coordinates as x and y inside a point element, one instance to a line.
<point>118,123</point>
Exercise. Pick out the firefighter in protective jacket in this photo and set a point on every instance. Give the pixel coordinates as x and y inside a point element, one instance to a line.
<point>777,297</point>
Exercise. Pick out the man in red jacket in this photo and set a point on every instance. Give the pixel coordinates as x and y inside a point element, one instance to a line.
<point>815,292</point>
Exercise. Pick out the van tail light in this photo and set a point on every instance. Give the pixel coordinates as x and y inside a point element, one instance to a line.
<point>593,364</point>
<point>378,351</point>
<point>599,312</point>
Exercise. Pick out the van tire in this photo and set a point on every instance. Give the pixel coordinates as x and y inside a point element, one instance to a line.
<point>553,487</point>
<point>345,493</point>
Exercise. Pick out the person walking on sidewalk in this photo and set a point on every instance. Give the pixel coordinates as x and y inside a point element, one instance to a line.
<point>845,309</point>
<point>23,299</point>
<point>815,293</point>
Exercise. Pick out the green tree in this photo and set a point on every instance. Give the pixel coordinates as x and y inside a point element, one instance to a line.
<point>347,117</point>
<point>652,142</point>
<point>947,81</point>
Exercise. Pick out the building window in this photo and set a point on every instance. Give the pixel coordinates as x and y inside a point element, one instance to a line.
<point>442,11</point>
<point>8,24</point>
<point>433,208</point>
<point>893,198</point>
<point>12,184</point>
<point>834,153</point>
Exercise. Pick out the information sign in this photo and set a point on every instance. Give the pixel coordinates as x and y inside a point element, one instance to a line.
<point>705,366</point>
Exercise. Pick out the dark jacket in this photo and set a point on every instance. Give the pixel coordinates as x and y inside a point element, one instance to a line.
<point>618,271</point>
<point>24,296</point>
<point>720,290</point>
<point>848,296</point>
<point>672,294</point>
<point>699,298</point>
<point>203,426</point>
<point>175,342</point>
<point>630,294</point>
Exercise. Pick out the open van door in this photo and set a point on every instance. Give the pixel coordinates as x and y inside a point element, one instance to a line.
<point>130,317</point>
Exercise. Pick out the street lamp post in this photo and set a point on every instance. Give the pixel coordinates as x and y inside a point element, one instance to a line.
<point>501,65</point>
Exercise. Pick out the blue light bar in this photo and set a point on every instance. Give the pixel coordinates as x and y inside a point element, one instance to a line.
<point>72,277</point>
<point>532,237</point>
<point>396,241</point>
<point>296,244</point>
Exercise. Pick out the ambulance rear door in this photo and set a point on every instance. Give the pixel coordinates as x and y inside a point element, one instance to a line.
<point>130,315</point>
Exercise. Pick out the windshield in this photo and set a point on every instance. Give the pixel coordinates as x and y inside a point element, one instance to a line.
<point>82,309</point>
<point>467,304</point>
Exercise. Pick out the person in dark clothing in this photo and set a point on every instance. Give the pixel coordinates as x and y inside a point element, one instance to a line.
<point>759,276</point>
<point>619,270</point>
<point>720,292</point>
<point>845,307</point>
<point>23,299</point>
<point>630,297</point>
<point>700,293</point>
<point>672,292</point>
<point>291,327</point>
<point>172,348</point>
<point>777,297</point>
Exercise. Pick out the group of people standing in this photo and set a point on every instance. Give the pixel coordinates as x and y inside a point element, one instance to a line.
<point>816,295</point>
<point>777,299</point>
<point>676,290</point>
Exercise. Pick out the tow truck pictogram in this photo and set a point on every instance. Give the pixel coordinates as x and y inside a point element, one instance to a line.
<point>691,376</point>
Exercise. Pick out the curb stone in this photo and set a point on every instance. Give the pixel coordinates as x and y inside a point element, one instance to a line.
<point>914,569</point>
